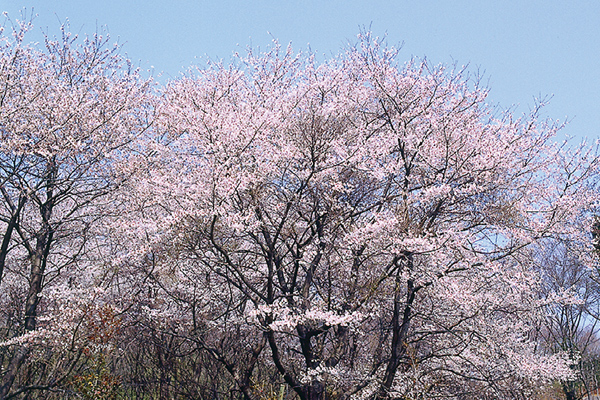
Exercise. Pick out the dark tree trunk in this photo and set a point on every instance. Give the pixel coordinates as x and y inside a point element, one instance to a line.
<point>38,257</point>
<point>400,324</point>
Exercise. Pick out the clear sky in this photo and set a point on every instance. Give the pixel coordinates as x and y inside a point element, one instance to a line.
<point>524,49</point>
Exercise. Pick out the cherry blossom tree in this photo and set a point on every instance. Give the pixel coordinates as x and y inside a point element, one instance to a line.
<point>68,114</point>
<point>355,228</point>
<point>364,228</point>
<point>572,325</point>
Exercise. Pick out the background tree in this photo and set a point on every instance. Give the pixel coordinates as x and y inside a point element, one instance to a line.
<point>572,324</point>
<point>568,267</point>
<point>67,116</point>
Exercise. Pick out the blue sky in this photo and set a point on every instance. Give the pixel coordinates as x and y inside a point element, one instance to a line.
<point>524,49</point>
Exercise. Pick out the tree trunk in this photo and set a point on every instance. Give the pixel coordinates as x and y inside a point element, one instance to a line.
<point>315,391</point>
<point>400,325</point>
<point>12,370</point>
<point>12,224</point>
<point>569,391</point>
<point>38,258</point>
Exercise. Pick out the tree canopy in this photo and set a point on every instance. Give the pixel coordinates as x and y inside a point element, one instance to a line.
<point>357,228</point>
